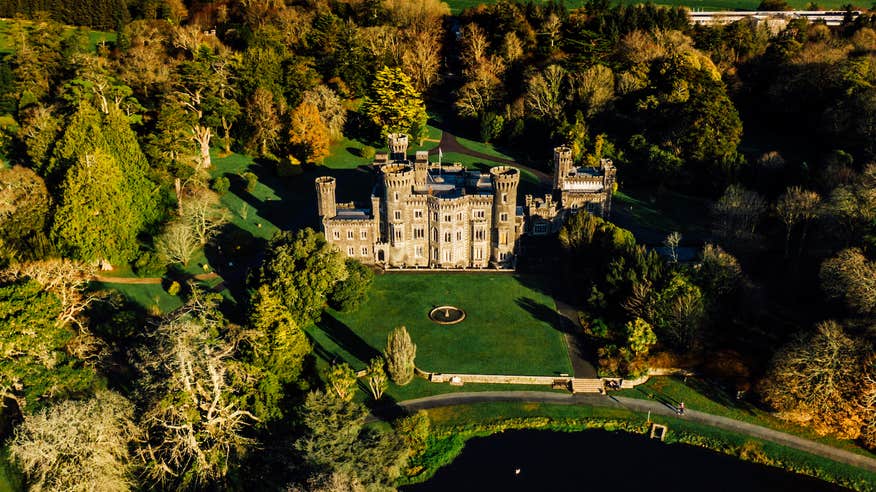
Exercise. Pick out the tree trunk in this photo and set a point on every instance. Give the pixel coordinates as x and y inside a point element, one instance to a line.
<point>202,135</point>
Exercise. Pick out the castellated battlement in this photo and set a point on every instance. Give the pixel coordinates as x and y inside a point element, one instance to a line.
<point>398,176</point>
<point>505,178</point>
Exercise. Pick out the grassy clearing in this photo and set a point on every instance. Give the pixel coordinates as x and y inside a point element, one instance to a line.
<point>509,329</point>
<point>707,397</point>
<point>152,297</point>
<point>454,424</point>
<point>666,211</point>
<point>94,37</point>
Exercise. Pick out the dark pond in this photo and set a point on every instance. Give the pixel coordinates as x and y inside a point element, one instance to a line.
<point>604,461</point>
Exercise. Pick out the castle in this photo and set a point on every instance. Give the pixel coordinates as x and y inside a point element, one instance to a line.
<point>430,215</point>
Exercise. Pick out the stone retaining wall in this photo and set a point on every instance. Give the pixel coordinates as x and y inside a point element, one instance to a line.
<point>497,379</point>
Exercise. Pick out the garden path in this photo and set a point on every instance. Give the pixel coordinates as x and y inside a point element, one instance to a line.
<point>147,280</point>
<point>656,408</point>
<point>581,365</point>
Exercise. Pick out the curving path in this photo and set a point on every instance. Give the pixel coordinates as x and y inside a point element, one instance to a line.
<point>724,423</point>
<point>147,280</point>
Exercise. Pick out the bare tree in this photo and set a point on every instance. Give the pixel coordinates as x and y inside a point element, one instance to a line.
<point>851,277</point>
<point>400,354</point>
<point>672,241</point>
<point>546,92</point>
<point>203,212</point>
<point>77,445</point>
<point>810,381</point>
<point>376,375</point>
<point>331,109</point>
<point>594,87</point>
<point>421,56</point>
<point>797,207</point>
<point>67,279</point>
<point>194,419</point>
<point>263,116</point>
<point>738,212</point>
<point>177,243</point>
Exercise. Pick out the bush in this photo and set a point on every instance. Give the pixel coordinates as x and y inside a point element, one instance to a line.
<point>367,152</point>
<point>220,185</point>
<point>251,181</point>
<point>350,293</point>
<point>173,288</point>
<point>149,263</point>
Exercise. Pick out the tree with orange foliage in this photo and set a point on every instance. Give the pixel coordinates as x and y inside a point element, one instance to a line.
<point>308,135</point>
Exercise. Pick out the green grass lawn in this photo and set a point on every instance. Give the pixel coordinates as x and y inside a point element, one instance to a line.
<point>706,397</point>
<point>666,211</point>
<point>509,327</point>
<point>152,297</point>
<point>484,148</point>
<point>94,37</point>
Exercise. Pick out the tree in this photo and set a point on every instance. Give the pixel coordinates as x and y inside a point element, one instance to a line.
<point>24,210</point>
<point>38,132</point>
<point>193,394</point>
<point>263,117</point>
<point>331,109</point>
<point>672,241</point>
<point>640,336</point>
<point>77,445</point>
<point>808,381</point>
<point>95,219</point>
<point>546,93</point>
<point>376,375</point>
<point>797,207</point>
<point>400,354</point>
<point>350,293</point>
<point>393,104</point>
<point>421,55</point>
<point>308,135</point>
<point>342,380</point>
<point>177,243</point>
<point>594,87</point>
<point>203,213</point>
<point>719,274</point>
<point>275,347</point>
<point>301,268</point>
<point>678,311</point>
<point>738,212</point>
<point>35,364</point>
<point>414,430</point>
<point>850,276</point>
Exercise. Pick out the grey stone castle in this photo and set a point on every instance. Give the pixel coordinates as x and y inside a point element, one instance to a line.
<point>426,214</point>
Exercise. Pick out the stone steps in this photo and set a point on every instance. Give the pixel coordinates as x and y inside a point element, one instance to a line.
<point>587,385</point>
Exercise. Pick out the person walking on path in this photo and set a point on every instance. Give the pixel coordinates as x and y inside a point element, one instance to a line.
<point>681,408</point>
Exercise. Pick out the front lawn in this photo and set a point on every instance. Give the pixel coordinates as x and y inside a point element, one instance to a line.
<point>510,326</point>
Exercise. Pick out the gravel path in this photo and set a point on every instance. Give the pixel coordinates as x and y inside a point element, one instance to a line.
<point>656,408</point>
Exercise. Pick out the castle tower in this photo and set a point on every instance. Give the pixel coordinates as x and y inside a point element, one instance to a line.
<point>505,181</point>
<point>398,183</point>
<point>325,197</point>
<point>398,146</point>
<point>610,173</point>
<point>562,165</point>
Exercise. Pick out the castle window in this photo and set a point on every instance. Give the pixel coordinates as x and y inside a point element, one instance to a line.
<point>336,234</point>
<point>351,251</point>
<point>435,217</point>
<point>363,234</point>
<point>398,215</point>
<point>459,235</point>
<point>479,234</point>
<point>478,254</point>
<point>419,233</point>
<point>418,214</point>
<point>503,237</point>
<point>504,198</point>
<point>418,252</point>
<point>448,218</point>
<point>364,251</point>
<point>503,217</point>
<point>435,254</point>
<point>350,234</point>
<point>459,216</point>
<point>448,255</point>
<point>479,214</point>
<point>398,234</point>
<point>435,235</point>
<point>448,236</point>
<point>540,228</point>
<point>396,196</point>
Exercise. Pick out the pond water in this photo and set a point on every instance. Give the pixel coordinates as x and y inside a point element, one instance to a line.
<point>604,461</point>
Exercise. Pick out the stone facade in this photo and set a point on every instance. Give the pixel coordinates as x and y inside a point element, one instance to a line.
<point>425,214</point>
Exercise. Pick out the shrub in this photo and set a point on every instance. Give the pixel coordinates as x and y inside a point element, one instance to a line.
<point>173,288</point>
<point>367,152</point>
<point>220,185</point>
<point>400,354</point>
<point>149,263</point>
<point>251,181</point>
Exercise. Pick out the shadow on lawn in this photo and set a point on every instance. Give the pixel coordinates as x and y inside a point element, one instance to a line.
<point>342,335</point>
<point>545,313</point>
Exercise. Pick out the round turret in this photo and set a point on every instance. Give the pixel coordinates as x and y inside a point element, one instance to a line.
<point>325,192</point>
<point>398,146</point>
<point>505,178</point>
<point>398,178</point>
